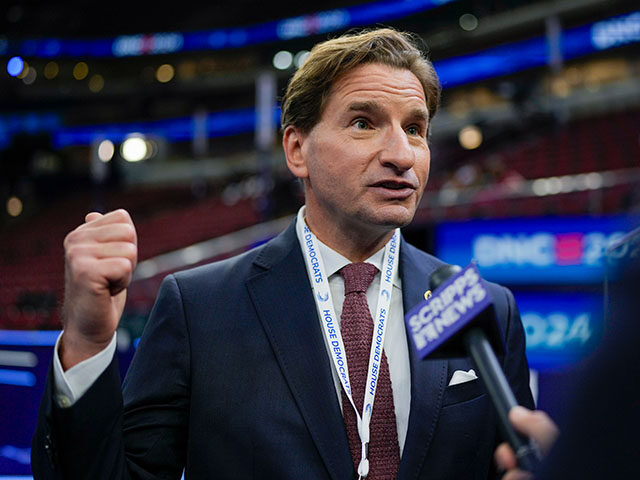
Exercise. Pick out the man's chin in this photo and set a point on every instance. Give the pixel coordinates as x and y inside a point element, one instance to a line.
<point>393,216</point>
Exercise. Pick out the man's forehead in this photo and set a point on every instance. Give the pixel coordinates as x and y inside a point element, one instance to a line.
<point>371,80</point>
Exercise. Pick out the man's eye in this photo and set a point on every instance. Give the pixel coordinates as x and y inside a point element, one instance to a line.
<point>413,130</point>
<point>361,124</point>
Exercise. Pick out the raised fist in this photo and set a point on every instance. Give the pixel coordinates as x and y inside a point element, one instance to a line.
<point>100,257</point>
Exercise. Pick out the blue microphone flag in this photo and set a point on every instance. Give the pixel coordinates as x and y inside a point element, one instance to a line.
<point>450,308</point>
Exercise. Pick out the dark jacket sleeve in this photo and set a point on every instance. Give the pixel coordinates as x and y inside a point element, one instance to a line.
<point>143,437</point>
<point>80,441</point>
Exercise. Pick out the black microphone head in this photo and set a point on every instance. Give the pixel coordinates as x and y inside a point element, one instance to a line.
<point>442,274</point>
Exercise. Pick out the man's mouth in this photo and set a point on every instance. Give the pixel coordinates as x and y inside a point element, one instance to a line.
<point>394,189</point>
<point>394,185</point>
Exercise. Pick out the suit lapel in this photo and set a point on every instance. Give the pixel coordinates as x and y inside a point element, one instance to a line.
<point>428,377</point>
<point>283,300</point>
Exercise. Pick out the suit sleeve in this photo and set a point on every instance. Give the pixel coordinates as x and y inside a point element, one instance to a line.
<point>137,432</point>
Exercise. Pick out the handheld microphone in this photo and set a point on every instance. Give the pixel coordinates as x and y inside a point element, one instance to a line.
<point>458,320</point>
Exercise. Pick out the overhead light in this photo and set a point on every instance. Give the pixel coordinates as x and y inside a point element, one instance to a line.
<point>567,183</point>
<point>470,137</point>
<point>593,180</point>
<point>540,187</point>
<point>96,83</point>
<point>14,206</point>
<point>134,148</point>
<point>283,60</point>
<point>106,149</point>
<point>80,71</point>
<point>300,57</point>
<point>165,73</point>
<point>51,70</point>
<point>468,22</point>
<point>554,185</point>
<point>25,71</point>
<point>30,77</point>
<point>15,65</point>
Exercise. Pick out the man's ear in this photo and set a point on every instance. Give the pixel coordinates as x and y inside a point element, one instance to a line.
<point>292,141</point>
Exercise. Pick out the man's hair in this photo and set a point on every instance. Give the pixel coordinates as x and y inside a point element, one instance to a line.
<point>309,88</point>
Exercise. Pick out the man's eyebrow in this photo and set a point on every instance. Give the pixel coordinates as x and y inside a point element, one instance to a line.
<point>373,107</point>
<point>367,106</point>
<point>420,114</point>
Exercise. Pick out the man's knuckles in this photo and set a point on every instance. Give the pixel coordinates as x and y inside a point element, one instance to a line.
<point>117,232</point>
<point>91,216</point>
<point>87,270</point>
<point>129,233</point>
<point>126,250</point>
<point>117,216</point>
<point>88,233</point>
<point>117,268</point>
<point>74,250</point>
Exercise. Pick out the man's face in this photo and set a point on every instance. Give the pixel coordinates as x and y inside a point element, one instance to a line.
<point>366,162</point>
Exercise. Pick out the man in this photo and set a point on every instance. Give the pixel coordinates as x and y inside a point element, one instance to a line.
<point>241,371</point>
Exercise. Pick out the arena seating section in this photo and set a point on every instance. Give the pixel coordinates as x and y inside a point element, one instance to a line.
<point>604,143</point>
<point>31,254</point>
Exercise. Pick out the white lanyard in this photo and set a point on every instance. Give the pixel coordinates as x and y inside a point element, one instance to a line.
<point>331,328</point>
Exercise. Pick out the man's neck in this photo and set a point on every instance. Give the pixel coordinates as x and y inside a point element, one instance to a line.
<point>355,244</point>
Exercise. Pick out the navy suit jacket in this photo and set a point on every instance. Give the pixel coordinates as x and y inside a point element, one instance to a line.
<point>232,380</point>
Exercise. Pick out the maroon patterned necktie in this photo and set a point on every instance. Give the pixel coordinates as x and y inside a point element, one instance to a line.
<point>357,333</point>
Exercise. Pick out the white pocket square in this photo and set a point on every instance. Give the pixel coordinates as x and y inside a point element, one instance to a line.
<point>460,376</point>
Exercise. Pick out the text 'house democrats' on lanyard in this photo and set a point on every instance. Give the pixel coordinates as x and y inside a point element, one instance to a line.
<point>331,328</point>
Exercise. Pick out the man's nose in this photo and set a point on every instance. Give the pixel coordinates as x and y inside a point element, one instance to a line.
<point>396,151</point>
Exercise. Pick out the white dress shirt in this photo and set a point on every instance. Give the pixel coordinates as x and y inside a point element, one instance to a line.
<point>72,384</point>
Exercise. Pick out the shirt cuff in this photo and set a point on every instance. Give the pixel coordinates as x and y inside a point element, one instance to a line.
<point>69,386</point>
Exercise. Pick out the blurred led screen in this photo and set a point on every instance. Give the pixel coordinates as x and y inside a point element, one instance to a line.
<point>566,250</point>
<point>560,328</point>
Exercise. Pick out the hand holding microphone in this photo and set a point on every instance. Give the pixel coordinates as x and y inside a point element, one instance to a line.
<point>534,424</point>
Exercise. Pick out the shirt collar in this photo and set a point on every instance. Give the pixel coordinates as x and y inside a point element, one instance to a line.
<point>334,261</point>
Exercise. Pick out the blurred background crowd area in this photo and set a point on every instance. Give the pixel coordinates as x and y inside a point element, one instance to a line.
<point>171,110</point>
